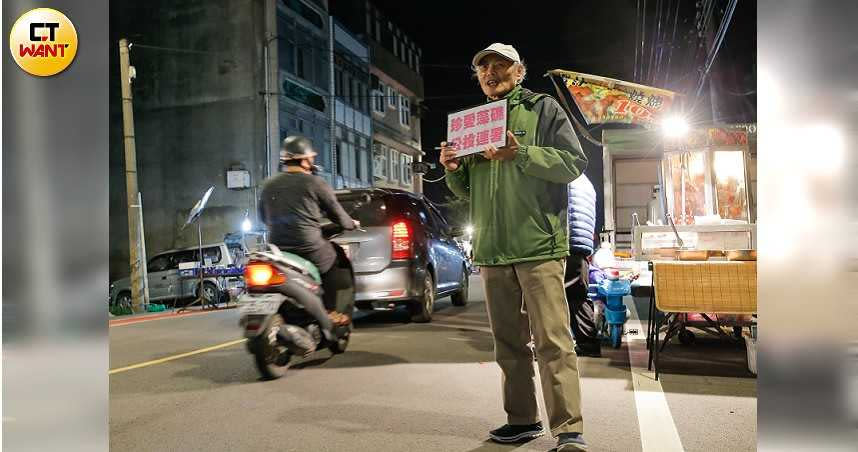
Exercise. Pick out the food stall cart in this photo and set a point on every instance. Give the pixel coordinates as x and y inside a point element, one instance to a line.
<point>676,200</point>
<point>688,251</point>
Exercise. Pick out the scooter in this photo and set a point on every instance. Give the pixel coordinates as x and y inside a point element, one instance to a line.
<point>282,312</point>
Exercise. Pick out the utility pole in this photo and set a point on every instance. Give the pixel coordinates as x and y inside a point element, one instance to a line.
<point>332,87</point>
<point>130,176</point>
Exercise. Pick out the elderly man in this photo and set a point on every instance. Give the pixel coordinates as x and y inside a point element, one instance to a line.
<point>518,197</point>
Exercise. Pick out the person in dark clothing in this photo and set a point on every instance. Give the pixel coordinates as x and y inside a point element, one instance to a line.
<point>582,223</point>
<point>292,205</point>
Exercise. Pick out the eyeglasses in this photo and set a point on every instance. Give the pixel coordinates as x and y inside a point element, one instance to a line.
<point>500,64</point>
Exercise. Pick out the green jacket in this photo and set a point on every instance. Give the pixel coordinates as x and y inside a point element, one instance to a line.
<point>518,207</point>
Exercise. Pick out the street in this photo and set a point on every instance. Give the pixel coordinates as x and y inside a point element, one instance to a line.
<point>187,383</point>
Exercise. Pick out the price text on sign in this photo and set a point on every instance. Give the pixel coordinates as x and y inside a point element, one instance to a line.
<point>473,130</point>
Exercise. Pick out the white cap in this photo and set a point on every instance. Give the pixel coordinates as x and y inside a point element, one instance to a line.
<point>505,50</point>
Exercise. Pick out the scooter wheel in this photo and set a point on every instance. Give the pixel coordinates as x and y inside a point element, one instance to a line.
<point>271,358</point>
<point>616,335</point>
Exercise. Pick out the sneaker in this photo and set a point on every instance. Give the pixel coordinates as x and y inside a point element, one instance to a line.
<point>516,433</point>
<point>568,442</point>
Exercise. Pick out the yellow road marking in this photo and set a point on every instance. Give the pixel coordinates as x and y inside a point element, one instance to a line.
<point>174,357</point>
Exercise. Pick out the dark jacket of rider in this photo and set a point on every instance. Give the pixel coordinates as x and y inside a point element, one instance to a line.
<point>292,205</point>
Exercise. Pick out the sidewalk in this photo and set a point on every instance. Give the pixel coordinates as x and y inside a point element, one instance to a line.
<point>170,313</point>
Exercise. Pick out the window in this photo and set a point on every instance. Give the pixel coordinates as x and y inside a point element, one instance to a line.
<point>348,160</point>
<point>438,219</point>
<point>212,253</point>
<point>380,161</point>
<point>340,151</point>
<point>391,97</point>
<point>406,169</point>
<point>338,83</point>
<point>306,12</point>
<point>363,104</point>
<point>300,94</point>
<point>362,164</point>
<point>374,213</point>
<point>417,63</point>
<point>303,67</point>
<point>286,50</point>
<point>159,263</point>
<point>378,100</point>
<point>404,111</point>
<point>324,159</point>
<point>395,172</point>
<point>355,93</point>
<point>369,21</point>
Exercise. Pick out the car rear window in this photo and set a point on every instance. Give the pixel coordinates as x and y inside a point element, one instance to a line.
<point>372,213</point>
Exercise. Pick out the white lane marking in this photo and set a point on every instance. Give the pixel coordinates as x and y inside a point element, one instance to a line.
<point>657,427</point>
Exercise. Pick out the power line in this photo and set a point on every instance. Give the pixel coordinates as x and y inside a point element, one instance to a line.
<point>719,38</point>
<point>643,37</point>
<point>672,43</point>
<point>656,43</point>
<point>174,49</point>
<point>637,33</point>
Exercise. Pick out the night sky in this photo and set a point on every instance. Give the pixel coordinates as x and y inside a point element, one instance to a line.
<point>596,37</point>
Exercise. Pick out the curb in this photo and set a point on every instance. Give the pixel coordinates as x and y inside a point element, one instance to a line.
<point>163,315</point>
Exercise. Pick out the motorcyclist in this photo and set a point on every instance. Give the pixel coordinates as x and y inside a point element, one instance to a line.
<point>292,205</point>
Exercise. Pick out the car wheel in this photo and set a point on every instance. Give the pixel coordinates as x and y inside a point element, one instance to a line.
<point>123,300</point>
<point>460,298</point>
<point>211,294</point>
<point>421,309</point>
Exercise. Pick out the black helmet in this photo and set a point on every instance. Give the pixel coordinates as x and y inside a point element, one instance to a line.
<point>296,147</point>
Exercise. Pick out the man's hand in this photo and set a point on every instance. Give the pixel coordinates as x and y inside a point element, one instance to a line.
<point>448,157</point>
<point>505,153</point>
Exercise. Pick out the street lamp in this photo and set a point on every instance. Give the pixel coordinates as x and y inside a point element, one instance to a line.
<point>246,225</point>
<point>469,230</point>
<point>674,127</point>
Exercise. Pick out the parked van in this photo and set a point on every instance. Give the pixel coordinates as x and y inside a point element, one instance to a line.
<point>167,283</point>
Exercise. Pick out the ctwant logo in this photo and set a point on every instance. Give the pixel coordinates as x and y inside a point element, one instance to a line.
<point>43,42</point>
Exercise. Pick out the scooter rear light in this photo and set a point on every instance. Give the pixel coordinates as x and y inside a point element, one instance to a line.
<point>262,274</point>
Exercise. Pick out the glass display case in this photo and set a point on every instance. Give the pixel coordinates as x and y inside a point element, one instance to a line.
<point>705,178</point>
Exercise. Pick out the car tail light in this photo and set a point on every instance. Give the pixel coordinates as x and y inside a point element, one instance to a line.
<point>402,248</point>
<point>262,274</point>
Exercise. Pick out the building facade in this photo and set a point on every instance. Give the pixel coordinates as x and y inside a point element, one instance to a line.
<point>303,76</point>
<point>396,92</point>
<point>219,84</point>
<point>352,122</point>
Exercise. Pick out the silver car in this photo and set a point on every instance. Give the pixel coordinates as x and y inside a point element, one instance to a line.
<point>406,254</point>
<point>168,283</point>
